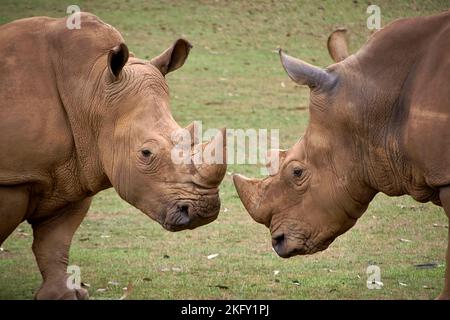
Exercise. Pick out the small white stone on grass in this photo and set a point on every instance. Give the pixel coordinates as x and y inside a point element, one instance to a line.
<point>126,291</point>
<point>212,256</point>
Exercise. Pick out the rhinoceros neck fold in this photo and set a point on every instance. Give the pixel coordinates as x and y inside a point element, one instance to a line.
<point>382,77</point>
<point>79,80</point>
<point>84,125</point>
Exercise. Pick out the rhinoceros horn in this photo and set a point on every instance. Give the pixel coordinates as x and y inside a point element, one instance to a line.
<point>212,168</point>
<point>274,158</point>
<point>195,136</point>
<point>251,194</point>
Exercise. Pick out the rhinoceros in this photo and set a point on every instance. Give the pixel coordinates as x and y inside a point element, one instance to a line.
<point>78,114</point>
<point>379,122</point>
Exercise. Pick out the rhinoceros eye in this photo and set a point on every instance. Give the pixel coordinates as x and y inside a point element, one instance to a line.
<point>146,153</point>
<point>298,172</point>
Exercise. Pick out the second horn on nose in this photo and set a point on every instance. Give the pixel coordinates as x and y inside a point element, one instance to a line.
<point>212,167</point>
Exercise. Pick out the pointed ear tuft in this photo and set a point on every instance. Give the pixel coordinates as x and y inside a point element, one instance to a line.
<point>305,73</point>
<point>173,58</point>
<point>337,45</point>
<point>117,58</point>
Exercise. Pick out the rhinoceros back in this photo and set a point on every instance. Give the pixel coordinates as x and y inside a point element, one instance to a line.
<point>34,133</point>
<point>44,64</point>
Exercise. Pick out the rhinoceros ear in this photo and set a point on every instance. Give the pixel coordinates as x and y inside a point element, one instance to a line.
<point>337,45</point>
<point>305,73</point>
<point>173,58</point>
<point>117,58</point>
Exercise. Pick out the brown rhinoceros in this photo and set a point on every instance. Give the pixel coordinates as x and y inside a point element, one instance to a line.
<point>379,122</point>
<point>79,114</point>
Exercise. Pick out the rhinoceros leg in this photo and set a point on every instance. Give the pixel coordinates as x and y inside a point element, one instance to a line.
<point>13,208</point>
<point>444,195</point>
<point>52,239</point>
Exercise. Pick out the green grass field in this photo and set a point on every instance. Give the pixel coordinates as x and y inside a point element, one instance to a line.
<point>233,79</point>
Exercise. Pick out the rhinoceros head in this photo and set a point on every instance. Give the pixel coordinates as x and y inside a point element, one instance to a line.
<point>136,143</point>
<point>308,200</point>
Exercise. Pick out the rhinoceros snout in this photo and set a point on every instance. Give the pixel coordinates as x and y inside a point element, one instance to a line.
<point>281,247</point>
<point>190,215</point>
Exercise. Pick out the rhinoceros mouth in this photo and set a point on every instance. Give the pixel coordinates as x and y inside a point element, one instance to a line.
<point>188,214</point>
<point>286,247</point>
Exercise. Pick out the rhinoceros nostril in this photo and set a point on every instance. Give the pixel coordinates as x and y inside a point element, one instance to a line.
<point>278,241</point>
<point>182,215</point>
<point>184,209</point>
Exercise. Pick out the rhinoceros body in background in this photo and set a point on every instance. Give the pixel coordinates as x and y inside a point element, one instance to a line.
<point>379,122</point>
<point>78,115</point>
